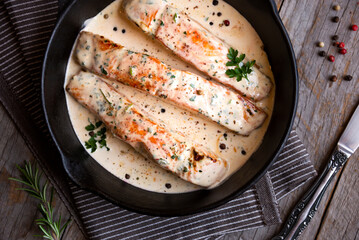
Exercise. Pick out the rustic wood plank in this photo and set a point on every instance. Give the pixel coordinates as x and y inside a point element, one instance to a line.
<point>279,3</point>
<point>342,217</point>
<point>19,210</point>
<point>324,107</point>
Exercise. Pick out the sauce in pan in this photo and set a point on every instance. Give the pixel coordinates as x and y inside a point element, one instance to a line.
<point>124,162</point>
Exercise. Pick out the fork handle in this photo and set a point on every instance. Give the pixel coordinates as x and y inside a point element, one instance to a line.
<point>308,205</point>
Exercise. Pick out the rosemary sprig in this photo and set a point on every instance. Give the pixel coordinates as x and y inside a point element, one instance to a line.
<point>106,99</point>
<point>51,228</point>
<point>241,69</point>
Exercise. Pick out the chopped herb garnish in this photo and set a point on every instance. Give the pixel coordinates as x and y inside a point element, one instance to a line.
<point>90,127</point>
<point>192,98</point>
<point>162,162</point>
<point>131,71</point>
<point>175,17</point>
<point>241,69</point>
<point>103,70</point>
<point>162,24</point>
<point>185,169</point>
<point>91,143</point>
<point>128,107</point>
<point>98,124</point>
<point>106,98</point>
<point>98,137</point>
<point>103,143</point>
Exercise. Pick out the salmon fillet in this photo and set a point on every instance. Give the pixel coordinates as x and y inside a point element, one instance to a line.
<point>172,151</point>
<point>194,44</point>
<point>181,88</point>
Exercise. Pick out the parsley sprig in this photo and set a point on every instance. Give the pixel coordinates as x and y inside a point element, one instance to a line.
<point>241,69</point>
<point>51,228</point>
<point>98,137</point>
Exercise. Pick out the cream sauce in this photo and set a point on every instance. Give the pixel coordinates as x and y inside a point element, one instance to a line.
<point>122,160</point>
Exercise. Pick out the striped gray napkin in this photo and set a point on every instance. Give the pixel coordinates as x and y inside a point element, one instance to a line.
<point>25,27</point>
<point>255,208</point>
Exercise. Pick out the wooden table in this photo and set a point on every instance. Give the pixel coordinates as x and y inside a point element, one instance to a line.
<point>323,111</point>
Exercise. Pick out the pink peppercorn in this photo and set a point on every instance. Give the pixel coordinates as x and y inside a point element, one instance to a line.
<point>226,22</point>
<point>331,58</point>
<point>341,45</point>
<point>354,27</point>
<point>343,51</point>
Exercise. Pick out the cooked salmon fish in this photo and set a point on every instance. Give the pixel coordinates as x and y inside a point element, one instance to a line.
<point>194,44</point>
<point>172,151</point>
<point>181,88</point>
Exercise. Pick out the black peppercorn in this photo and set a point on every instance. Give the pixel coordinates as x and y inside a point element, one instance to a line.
<point>211,23</point>
<point>243,152</point>
<point>335,37</point>
<point>115,29</point>
<point>336,19</point>
<point>222,146</point>
<point>163,110</point>
<point>219,14</point>
<point>348,78</point>
<point>333,78</point>
<point>215,2</point>
<point>123,30</point>
<point>322,54</point>
<point>127,176</point>
<point>168,185</point>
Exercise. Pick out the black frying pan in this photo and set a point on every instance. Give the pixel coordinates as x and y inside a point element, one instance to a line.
<point>87,173</point>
